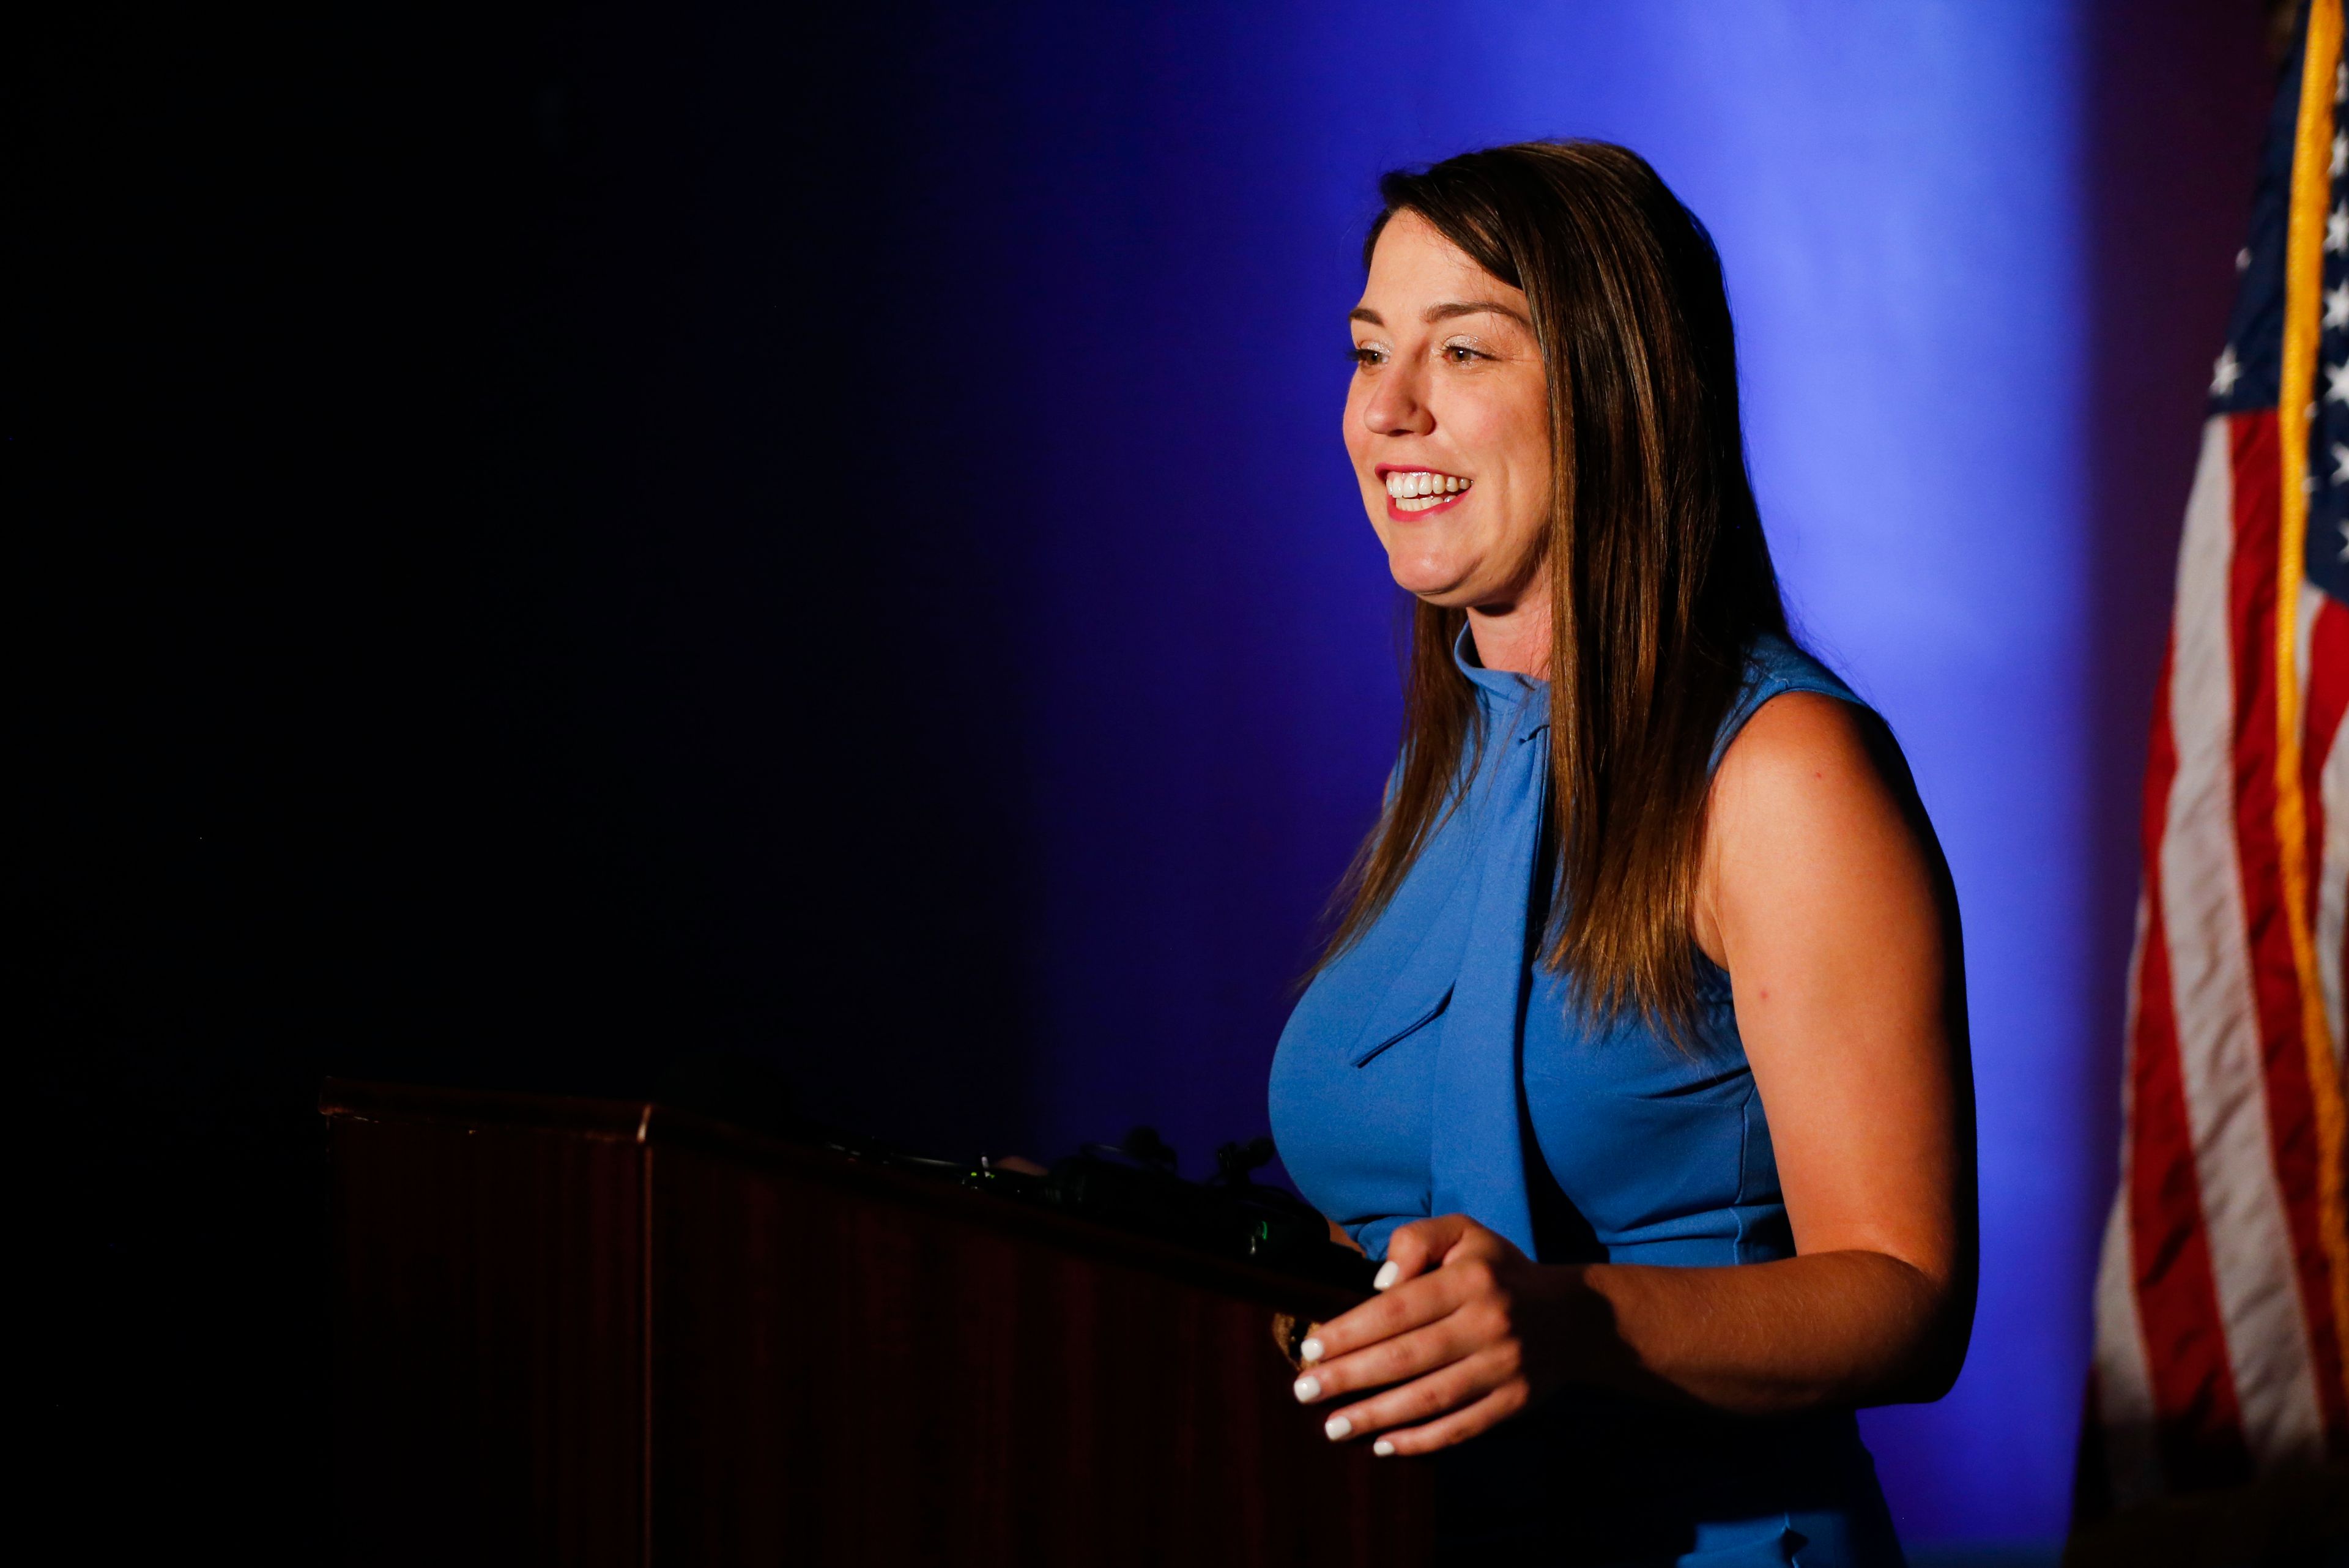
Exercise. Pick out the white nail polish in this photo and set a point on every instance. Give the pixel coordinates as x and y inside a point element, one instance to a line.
<point>1338,1427</point>
<point>1308,1390</point>
<point>1309,1352</point>
<point>1383,1448</point>
<point>1389,1272</point>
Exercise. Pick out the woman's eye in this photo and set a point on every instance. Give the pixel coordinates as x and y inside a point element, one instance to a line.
<point>1460,353</point>
<point>1365,356</point>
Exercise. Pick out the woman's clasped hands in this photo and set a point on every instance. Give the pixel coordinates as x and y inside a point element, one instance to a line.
<point>1466,1331</point>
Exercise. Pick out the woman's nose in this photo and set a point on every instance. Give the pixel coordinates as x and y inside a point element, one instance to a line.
<point>1395,409</point>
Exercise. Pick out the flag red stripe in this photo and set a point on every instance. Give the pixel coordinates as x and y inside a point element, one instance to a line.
<point>2198,1419</point>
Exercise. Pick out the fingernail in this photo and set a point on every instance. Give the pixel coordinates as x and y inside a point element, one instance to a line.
<point>1310,1351</point>
<point>1388,1274</point>
<point>1383,1448</point>
<point>1338,1427</point>
<point>1308,1390</point>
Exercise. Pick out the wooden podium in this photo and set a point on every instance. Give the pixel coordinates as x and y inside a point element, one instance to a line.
<point>587,1331</point>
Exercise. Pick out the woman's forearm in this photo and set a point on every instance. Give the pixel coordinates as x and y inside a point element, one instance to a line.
<point>1830,1328</point>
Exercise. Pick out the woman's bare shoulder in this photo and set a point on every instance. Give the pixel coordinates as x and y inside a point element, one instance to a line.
<point>1813,809</point>
<point>1803,751</point>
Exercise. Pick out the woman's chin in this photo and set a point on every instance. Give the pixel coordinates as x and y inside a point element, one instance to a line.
<point>1437,583</point>
<point>1444,594</point>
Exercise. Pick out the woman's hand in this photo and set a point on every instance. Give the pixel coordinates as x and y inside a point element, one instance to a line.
<point>1468,1332</point>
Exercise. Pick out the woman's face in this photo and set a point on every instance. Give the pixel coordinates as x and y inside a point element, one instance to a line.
<point>1447,420</point>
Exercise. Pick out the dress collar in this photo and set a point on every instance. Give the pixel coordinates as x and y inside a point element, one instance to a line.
<point>1501,693</point>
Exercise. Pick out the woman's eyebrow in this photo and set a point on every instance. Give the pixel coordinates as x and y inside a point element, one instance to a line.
<point>1472,308</point>
<point>1446,312</point>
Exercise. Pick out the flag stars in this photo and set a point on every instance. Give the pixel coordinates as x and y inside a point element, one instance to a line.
<point>2336,229</point>
<point>2341,82</point>
<point>2336,383</point>
<point>2224,373</point>
<point>2340,465</point>
<point>2336,307</point>
<point>2340,152</point>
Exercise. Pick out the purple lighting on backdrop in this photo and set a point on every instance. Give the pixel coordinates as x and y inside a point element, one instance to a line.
<point>1165,216</point>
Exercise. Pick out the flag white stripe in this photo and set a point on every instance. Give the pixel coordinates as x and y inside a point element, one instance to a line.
<point>2303,632</point>
<point>2219,1048</point>
<point>2125,1407</point>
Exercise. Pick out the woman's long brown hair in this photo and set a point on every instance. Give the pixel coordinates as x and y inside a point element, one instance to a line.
<point>1660,577</point>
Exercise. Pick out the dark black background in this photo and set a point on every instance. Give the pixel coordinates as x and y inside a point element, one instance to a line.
<point>462,640</point>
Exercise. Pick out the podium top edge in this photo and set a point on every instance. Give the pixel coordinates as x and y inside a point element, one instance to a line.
<point>649,1123</point>
<point>367,1101</point>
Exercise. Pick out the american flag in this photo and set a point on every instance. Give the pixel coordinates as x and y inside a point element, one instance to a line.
<point>2222,1293</point>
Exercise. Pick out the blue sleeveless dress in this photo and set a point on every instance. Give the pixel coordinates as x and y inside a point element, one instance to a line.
<point>1435,1068</point>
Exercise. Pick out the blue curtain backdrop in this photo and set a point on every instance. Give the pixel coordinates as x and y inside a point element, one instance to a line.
<point>1152,219</point>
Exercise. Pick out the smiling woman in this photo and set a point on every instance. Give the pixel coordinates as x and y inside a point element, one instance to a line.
<point>1638,1054</point>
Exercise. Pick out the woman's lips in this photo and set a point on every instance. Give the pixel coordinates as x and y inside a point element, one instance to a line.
<point>1415,492</point>
<point>1396,513</point>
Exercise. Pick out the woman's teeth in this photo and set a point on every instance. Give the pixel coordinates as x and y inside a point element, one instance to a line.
<point>1418,491</point>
